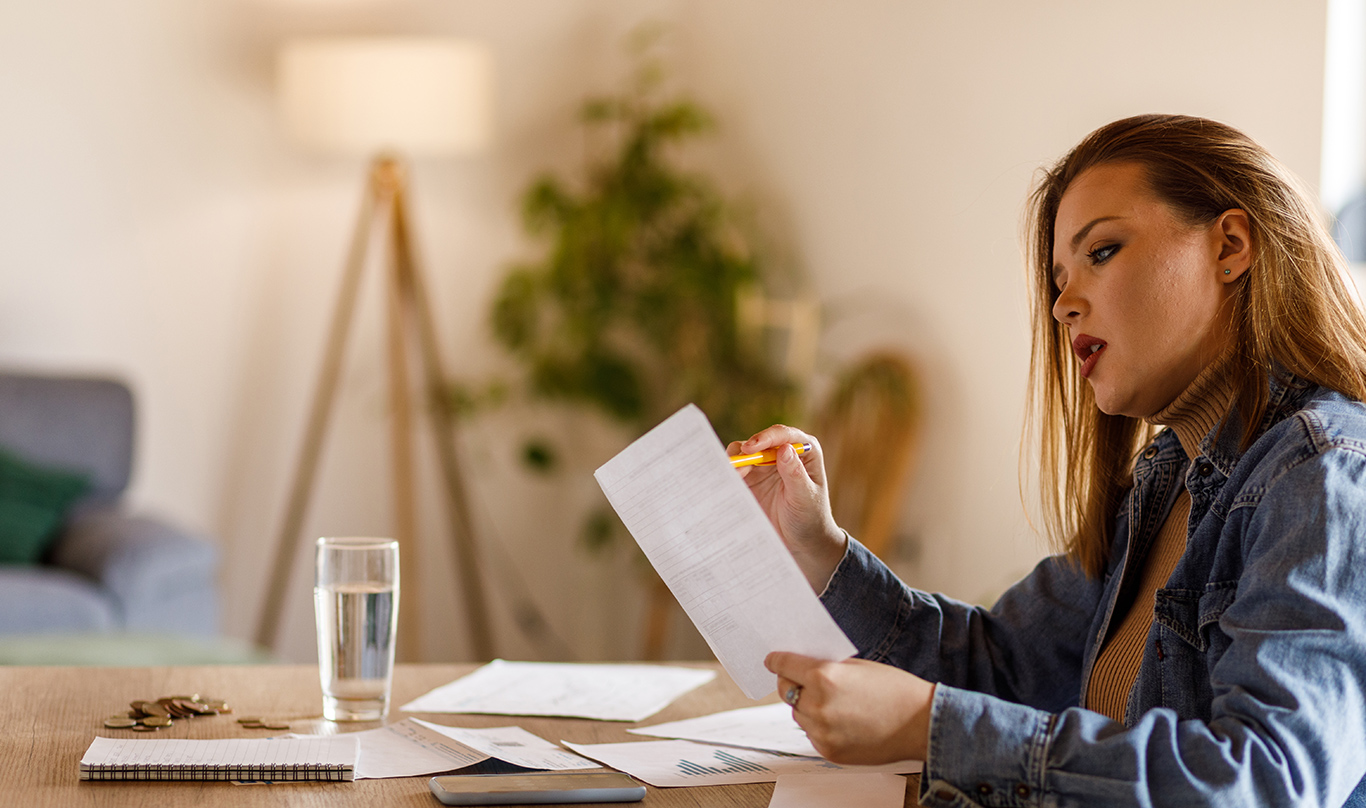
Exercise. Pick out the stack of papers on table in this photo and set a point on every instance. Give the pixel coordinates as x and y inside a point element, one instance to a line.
<point>750,745</point>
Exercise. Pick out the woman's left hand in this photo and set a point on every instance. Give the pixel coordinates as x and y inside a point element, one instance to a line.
<point>856,711</point>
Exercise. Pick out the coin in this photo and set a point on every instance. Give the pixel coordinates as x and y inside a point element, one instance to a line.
<point>120,722</point>
<point>275,725</point>
<point>143,728</point>
<point>152,708</point>
<point>175,708</point>
<point>196,708</point>
<point>158,721</point>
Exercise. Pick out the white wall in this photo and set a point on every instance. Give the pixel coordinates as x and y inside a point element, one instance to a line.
<point>153,223</point>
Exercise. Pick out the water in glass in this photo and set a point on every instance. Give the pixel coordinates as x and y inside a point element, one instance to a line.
<point>356,625</point>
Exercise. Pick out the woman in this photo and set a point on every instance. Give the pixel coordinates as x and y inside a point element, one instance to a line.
<point>1198,371</point>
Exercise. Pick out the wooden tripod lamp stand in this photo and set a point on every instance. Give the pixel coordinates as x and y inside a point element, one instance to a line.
<point>385,97</point>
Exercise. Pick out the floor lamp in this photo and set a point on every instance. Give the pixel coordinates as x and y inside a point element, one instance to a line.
<point>385,97</point>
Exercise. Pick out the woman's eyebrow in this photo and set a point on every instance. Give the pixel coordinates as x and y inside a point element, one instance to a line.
<point>1081,234</point>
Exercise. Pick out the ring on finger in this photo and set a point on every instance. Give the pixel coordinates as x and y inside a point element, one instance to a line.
<point>791,695</point>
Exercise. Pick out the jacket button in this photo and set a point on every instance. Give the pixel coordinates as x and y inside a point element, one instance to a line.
<point>984,789</point>
<point>1022,791</point>
<point>1206,469</point>
<point>1151,453</point>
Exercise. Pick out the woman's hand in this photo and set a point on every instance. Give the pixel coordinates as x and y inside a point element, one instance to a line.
<point>793,494</point>
<point>856,711</point>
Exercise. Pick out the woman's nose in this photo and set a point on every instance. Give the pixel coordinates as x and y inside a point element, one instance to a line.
<point>1068,305</point>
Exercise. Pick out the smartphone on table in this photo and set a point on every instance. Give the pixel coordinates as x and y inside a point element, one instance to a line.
<point>536,788</point>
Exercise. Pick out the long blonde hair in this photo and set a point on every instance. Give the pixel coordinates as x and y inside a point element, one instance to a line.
<point>1293,312</point>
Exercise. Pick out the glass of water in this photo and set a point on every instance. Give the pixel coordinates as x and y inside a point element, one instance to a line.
<point>355,599</point>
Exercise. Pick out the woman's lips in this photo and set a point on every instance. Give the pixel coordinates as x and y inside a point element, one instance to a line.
<point>1088,350</point>
<point>1090,363</point>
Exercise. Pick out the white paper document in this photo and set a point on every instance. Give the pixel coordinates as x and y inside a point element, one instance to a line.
<point>414,747</point>
<point>563,690</point>
<point>513,745</point>
<point>710,541</point>
<point>824,790</point>
<point>684,763</point>
<point>407,749</point>
<point>769,727</point>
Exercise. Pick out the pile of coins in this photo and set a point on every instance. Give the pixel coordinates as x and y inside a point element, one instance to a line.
<point>149,716</point>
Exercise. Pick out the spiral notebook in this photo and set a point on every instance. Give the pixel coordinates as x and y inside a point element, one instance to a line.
<point>312,758</point>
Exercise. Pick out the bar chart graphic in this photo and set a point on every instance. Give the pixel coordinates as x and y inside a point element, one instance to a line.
<point>726,763</point>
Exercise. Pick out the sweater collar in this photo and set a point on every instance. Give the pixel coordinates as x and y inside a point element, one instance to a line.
<point>1201,406</point>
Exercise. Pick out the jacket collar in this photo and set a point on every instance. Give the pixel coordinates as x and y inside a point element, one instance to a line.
<point>1286,395</point>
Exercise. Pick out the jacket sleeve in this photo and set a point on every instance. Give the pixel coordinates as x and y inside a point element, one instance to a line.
<point>1288,716</point>
<point>1027,648</point>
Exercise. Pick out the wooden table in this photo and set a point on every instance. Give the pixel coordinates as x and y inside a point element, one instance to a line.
<point>48,716</point>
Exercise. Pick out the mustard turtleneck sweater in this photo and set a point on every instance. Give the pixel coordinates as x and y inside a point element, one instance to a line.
<point>1191,416</point>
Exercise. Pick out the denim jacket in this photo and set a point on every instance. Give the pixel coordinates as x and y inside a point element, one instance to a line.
<point>1252,686</point>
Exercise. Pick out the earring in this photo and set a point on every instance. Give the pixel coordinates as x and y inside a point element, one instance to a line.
<point>1228,272</point>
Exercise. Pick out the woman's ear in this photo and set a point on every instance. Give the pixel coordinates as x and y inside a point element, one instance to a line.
<point>1233,233</point>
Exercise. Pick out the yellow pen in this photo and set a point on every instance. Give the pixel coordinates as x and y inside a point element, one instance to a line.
<point>768,457</point>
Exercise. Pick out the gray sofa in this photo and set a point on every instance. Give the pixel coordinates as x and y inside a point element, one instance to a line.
<point>108,571</point>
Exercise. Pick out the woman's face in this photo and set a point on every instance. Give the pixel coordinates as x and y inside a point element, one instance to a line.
<point>1141,292</point>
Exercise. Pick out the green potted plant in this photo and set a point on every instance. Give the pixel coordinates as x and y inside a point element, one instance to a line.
<point>632,308</point>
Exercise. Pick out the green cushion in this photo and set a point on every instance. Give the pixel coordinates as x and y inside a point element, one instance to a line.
<point>124,650</point>
<point>33,503</point>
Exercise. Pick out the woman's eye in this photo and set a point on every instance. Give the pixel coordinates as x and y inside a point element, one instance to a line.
<point>1102,254</point>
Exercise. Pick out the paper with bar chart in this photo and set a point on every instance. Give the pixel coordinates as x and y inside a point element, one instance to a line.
<point>709,540</point>
<point>666,764</point>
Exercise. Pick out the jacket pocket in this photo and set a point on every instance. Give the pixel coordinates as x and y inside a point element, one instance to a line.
<point>1187,613</point>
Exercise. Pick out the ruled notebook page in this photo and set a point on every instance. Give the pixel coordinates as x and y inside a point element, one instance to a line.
<point>313,758</point>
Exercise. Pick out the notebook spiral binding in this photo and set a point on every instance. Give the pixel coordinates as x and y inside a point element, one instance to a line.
<point>285,773</point>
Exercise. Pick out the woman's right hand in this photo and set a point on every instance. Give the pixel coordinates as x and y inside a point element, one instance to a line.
<point>794,495</point>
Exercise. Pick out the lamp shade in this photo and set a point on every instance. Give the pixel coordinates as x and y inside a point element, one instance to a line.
<point>359,95</point>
